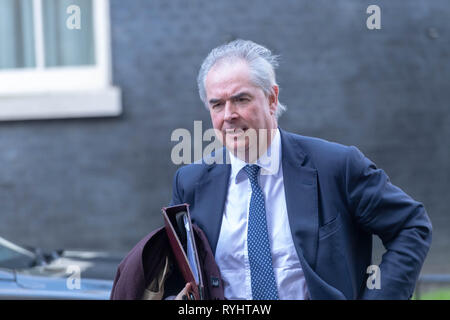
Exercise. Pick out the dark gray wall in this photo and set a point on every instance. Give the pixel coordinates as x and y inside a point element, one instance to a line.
<point>100,183</point>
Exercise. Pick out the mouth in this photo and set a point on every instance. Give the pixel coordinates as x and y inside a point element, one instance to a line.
<point>235,131</point>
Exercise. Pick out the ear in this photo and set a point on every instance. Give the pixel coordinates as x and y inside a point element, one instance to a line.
<point>273,100</point>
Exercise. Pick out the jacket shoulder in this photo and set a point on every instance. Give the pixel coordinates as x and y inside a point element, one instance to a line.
<point>318,149</point>
<point>186,176</point>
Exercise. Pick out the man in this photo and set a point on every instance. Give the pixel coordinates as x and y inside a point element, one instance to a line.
<point>292,217</point>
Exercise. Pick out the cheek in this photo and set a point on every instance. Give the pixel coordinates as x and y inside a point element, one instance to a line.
<point>216,121</point>
<point>253,117</point>
<point>217,126</point>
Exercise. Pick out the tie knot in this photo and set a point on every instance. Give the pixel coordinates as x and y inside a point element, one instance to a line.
<point>252,171</point>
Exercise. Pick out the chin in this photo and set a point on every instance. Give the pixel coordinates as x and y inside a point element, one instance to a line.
<point>237,146</point>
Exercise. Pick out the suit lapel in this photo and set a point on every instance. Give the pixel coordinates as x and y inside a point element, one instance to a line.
<point>300,185</point>
<point>210,196</point>
<point>301,192</point>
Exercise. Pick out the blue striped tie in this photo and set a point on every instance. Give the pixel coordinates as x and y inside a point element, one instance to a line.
<point>263,282</point>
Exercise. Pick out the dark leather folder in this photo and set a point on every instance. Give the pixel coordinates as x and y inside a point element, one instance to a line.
<point>178,225</point>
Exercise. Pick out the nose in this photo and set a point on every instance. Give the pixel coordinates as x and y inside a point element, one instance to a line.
<point>230,111</point>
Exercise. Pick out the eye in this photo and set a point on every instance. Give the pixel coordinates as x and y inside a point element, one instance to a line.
<point>243,100</point>
<point>217,105</point>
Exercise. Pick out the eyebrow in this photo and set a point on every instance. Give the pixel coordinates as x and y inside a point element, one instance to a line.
<point>235,97</point>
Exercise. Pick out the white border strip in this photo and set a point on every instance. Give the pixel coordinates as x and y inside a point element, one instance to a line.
<point>39,48</point>
<point>94,103</point>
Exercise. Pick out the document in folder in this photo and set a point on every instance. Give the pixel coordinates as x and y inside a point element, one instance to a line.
<point>178,225</point>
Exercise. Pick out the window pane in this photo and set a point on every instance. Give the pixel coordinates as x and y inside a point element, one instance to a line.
<point>65,46</point>
<point>16,34</point>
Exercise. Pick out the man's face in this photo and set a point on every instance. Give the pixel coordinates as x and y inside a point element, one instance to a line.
<point>237,106</point>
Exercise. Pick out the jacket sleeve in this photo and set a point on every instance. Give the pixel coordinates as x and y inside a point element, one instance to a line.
<point>176,198</point>
<point>402,224</point>
<point>114,294</point>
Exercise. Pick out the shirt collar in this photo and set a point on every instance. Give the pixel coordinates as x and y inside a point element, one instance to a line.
<point>269,162</point>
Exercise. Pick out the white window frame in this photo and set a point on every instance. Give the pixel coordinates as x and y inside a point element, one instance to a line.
<point>59,92</point>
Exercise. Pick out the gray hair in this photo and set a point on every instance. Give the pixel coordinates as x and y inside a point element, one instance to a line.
<point>261,61</point>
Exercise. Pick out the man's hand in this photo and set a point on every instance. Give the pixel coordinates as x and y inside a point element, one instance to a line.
<point>186,293</point>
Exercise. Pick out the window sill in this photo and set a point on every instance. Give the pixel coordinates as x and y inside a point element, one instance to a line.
<point>105,102</point>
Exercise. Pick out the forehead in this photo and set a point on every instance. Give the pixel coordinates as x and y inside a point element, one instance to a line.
<point>227,78</point>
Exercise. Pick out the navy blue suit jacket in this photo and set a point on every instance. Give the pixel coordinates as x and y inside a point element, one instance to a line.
<point>336,200</point>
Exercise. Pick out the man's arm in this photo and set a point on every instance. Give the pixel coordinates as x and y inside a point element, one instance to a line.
<point>402,224</point>
<point>176,198</point>
<point>184,294</point>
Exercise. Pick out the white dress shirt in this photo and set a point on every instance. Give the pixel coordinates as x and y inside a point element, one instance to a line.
<point>231,252</point>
